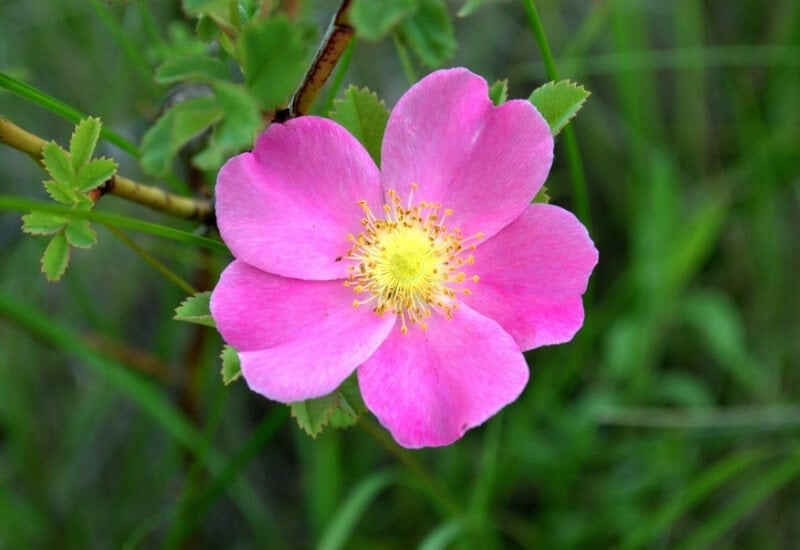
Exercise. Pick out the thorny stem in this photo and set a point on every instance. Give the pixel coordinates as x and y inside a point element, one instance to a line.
<point>334,44</point>
<point>120,186</point>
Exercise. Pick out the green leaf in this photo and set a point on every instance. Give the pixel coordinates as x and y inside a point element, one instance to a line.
<point>42,223</point>
<point>274,53</point>
<point>364,116</point>
<point>237,129</point>
<point>55,258</point>
<point>94,173</point>
<point>174,129</point>
<point>340,409</point>
<point>350,406</point>
<point>196,309</point>
<point>559,102</point>
<point>498,92</point>
<point>195,7</point>
<point>312,415</point>
<point>58,163</point>
<point>374,19</point>
<point>231,367</point>
<point>61,192</point>
<point>83,141</point>
<point>472,5</point>
<point>79,233</point>
<point>429,32</point>
<point>194,68</point>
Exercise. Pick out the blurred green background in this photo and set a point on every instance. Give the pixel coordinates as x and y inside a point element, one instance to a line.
<point>672,419</point>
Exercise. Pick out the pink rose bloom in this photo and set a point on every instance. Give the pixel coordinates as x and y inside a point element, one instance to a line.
<point>429,276</point>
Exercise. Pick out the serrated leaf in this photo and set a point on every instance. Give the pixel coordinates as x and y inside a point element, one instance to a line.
<point>374,19</point>
<point>61,192</point>
<point>94,173</point>
<point>237,129</point>
<point>174,129</point>
<point>42,223</point>
<point>55,258</point>
<point>559,102</point>
<point>274,53</point>
<point>364,116</point>
<point>193,68</point>
<point>83,141</point>
<point>196,309</point>
<point>231,366</point>
<point>84,203</point>
<point>312,415</point>
<point>79,233</point>
<point>498,92</point>
<point>340,409</point>
<point>57,163</point>
<point>429,32</point>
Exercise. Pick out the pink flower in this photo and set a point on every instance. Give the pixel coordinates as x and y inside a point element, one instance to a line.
<point>428,276</point>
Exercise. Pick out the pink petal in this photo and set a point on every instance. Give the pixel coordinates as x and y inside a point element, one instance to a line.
<point>428,387</point>
<point>485,163</point>
<point>532,276</point>
<point>288,206</point>
<point>296,339</point>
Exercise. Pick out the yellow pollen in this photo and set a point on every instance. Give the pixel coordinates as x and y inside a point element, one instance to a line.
<point>409,263</point>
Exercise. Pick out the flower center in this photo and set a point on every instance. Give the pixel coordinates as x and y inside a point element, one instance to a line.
<point>408,262</point>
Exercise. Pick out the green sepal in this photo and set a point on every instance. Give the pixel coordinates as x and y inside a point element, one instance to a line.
<point>364,116</point>
<point>374,19</point>
<point>42,223</point>
<point>231,366</point>
<point>542,196</point>
<point>196,309</point>
<point>559,102</point>
<point>79,233</point>
<point>83,141</point>
<point>57,162</point>
<point>498,92</point>
<point>61,192</point>
<point>429,32</point>
<point>340,409</point>
<point>274,56</point>
<point>351,406</point>
<point>94,173</point>
<point>55,258</point>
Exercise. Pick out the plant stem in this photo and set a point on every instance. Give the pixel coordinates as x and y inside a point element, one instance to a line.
<point>119,186</point>
<point>147,257</point>
<point>579,187</point>
<point>334,44</point>
<point>440,493</point>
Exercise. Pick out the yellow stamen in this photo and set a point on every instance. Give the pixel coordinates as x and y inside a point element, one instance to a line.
<point>409,262</point>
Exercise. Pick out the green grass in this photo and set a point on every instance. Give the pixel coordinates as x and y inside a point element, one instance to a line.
<point>671,419</point>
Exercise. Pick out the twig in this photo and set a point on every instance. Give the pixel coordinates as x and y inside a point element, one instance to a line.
<point>334,43</point>
<point>119,186</point>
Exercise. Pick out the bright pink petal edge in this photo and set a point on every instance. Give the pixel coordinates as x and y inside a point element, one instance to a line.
<point>428,387</point>
<point>296,339</point>
<point>485,163</point>
<point>532,276</point>
<point>288,206</point>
